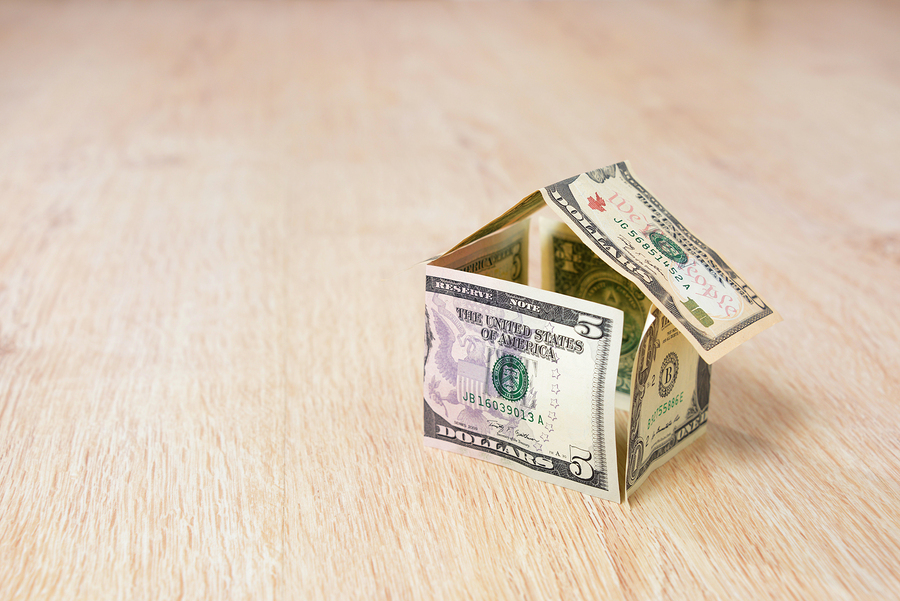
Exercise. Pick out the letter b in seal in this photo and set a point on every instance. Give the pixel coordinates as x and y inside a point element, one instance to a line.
<point>668,373</point>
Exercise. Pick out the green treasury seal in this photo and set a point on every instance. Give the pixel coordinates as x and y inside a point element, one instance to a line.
<point>667,247</point>
<point>510,377</point>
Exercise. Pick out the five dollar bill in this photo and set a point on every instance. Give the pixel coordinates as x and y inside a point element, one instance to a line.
<point>630,312</point>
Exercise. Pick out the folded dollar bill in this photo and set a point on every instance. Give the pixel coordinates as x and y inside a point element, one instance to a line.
<point>630,312</point>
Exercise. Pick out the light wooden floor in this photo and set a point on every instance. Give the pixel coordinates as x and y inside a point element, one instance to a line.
<point>211,314</point>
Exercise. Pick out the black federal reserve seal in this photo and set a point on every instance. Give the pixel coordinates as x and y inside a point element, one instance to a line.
<point>510,377</point>
<point>668,374</point>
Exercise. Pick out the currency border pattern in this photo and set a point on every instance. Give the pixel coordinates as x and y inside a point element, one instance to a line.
<point>509,451</point>
<point>597,405</point>
<point>544,310</point>
<point>642,365</point>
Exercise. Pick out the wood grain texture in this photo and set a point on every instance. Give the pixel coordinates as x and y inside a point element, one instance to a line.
<point>211,314</point>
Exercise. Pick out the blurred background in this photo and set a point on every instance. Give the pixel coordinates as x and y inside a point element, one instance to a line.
<point>211,220</point>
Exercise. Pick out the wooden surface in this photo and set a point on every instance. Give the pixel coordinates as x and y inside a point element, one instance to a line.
<point>211,318</point>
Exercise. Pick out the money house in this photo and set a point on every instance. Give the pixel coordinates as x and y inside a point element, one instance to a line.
<point>575,348</point>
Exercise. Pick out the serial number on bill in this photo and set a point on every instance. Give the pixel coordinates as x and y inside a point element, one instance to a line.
<point>502,407</point>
